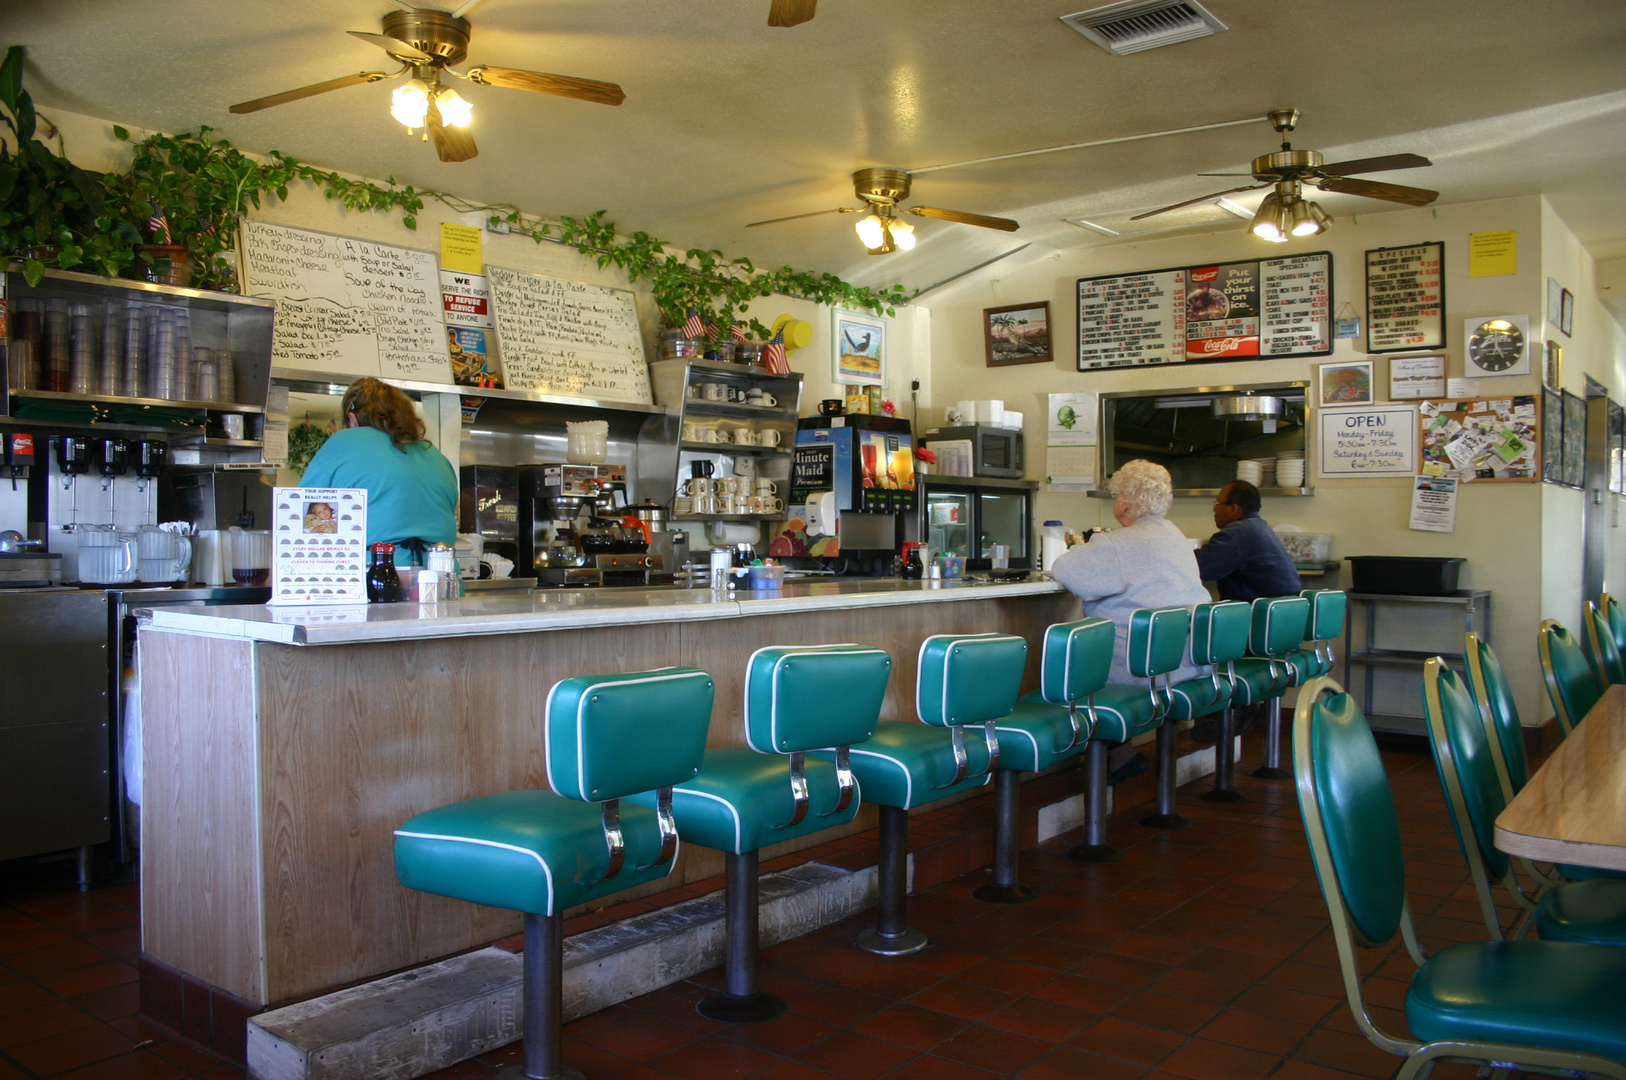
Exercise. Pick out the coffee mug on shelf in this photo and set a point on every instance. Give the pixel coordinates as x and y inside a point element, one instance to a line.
<point>765,504</point>
<point>694,391</point>
<point>694,433</point>
<point>728,503</point>
<point>745,437</point>
<point>713,391</point>
<point>768,437</point>
<point>716,435</point>
<point>705,504</point>
<point>701,485</point>
<point>765,486</point>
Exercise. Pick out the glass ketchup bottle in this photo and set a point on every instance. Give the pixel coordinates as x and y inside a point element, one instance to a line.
<point>383,583</point>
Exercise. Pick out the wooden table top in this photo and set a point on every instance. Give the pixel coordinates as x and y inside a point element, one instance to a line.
<point>1574,808</point>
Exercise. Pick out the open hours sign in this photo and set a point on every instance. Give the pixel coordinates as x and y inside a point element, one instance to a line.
<point>1371,441</point>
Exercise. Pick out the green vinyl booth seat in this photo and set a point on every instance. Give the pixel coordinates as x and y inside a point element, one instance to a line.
<point>1519,1004</point>
<point>1464,757</point>
<point>1571,685</point>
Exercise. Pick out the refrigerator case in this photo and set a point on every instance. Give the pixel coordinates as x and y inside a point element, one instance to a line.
<point>967,517</point>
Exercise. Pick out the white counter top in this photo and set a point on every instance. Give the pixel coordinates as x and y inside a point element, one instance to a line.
<point>562,609</point>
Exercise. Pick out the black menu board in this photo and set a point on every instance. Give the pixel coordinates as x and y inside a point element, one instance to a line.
<point>1195,314</point>
<point>1405,298</point>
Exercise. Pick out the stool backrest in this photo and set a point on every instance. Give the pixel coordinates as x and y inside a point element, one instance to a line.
<point>1600,641</point>
<point>1157,641</point>
<point>1570,682</point>
<point>1617,620</point>
<point>1279,624</point>
<point>1327,607</point>
<point>610,736</point>
<point>1489,686</point>
<point>1462,756</point>
<point>1076,659</point>
<point>810,697</point>
<point>969,678</point>
<point>1219,632</point>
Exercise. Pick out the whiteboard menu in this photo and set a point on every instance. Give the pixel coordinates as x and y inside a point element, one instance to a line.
<point>348,306</point>
<point>567,338</point>
<point>1233,311</point>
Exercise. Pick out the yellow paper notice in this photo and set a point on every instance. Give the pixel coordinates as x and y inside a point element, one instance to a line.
<point>1492,254</point>
<point>460,249</point>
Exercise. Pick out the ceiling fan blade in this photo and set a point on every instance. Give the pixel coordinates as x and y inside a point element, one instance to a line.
<point>602,93</point>
<point>451,143</point>
<point>1373,189</point>
<point>394,46</point>
<point>982,221</point>
<point>791,12</point>
<point>1375,164</point>
<point>309,91</point>
<point>1198,199</point>
<point>815,213</point>
<point>1225,174</point>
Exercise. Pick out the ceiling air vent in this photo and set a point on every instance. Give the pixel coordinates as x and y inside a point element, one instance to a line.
<point>1133,26</point>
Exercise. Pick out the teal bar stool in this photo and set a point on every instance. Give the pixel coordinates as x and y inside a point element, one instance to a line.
<point>1542,1006</point>
<point>797,699</point>
<point>962,680</point>
<point>1156,646</point>
<point>540,852</point>
<point>1570,682</point>
<point>1325,626</point>
<point>1279,626</point>
<point>1041,730</point>
<point>1219,638</point>
<point>1588,911</point>
<point>1600,640</point>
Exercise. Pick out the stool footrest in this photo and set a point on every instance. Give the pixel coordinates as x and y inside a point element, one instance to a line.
<point>750,1009</point>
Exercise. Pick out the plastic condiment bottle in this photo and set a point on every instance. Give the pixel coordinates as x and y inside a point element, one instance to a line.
<point>913,568</point>
<point>383,583</point>
<point>1052,544</point>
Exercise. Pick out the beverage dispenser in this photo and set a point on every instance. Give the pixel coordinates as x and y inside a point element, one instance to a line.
<point>118,499</point>
<point>852,478</point>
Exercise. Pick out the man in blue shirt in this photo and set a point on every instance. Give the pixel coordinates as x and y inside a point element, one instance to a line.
<point>1245,559</point>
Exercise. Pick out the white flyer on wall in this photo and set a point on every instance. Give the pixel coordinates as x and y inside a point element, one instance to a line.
<point>318,546</point>
<point>1070,441</point>
<point>1434,504</point>
<point>1376,440</point>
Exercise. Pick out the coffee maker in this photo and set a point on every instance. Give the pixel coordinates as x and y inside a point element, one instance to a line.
<point>575,528</point>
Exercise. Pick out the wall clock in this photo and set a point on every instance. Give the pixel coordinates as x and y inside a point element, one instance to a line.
<point>1499,345</point>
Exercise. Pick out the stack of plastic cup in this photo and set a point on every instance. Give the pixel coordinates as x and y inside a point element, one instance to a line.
<point>184,374</point>
<point>57,341</point>
<point>205,381</point>
<point>226,372</point>
<point>161,357</point>
<point>112,352</point>
<point>82,360</point>
<point>135,341</point>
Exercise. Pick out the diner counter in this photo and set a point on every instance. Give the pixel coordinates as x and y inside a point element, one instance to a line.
<point>567,609</point>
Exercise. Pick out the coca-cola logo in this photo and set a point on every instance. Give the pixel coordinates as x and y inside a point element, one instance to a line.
<point>1207,273</point>
<point>1222,345</point>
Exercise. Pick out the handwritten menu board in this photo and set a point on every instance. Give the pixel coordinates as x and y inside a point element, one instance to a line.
<point>348,306</point>
<point>1483,439</point>
<point>1230,311</point>
<point>567,338</point>
<point>1376,440</point>
<point>1405,298</point>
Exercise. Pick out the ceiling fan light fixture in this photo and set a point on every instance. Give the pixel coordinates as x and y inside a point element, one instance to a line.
<point>1304,219</point>
<point>1271,220</point>
<point>455,111</point>
<point>871,230</point>
<point>409,105</point>
<point>903,234</point>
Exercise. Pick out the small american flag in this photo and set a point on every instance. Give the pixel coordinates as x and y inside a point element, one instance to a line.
<point>737,331</point>
<point>158,224</point>
<point>694,327</point>
<point>773,357</point>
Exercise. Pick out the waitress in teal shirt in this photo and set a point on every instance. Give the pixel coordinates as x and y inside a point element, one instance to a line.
<point>411,487</point>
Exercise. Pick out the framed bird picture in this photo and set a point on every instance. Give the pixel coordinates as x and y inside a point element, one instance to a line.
<point>860,347</point>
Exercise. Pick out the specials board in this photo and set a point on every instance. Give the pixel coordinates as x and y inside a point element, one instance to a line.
<point>1229,311</point>
<point>348,306</point>
<point>1405,298</point>
<point>568,338</point>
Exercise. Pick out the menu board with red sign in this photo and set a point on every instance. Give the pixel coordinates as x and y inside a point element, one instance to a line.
<point>1405,298</point>
<point>1228,311</point>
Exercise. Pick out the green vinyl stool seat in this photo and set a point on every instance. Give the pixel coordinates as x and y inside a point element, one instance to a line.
<point>1592,912</point>
<point>797,699</point>
<point>1074,663</point>
<point>608,738</point>
<point>1571,684</point>
<point>1154,646</point>
<point>961,681</point>
<point>1615,616</point>
<point>1325,625</point>
<point>1279,627</point>
<point>1547,1006</point>
<point>1219,638</point>
<point>1600,641</point>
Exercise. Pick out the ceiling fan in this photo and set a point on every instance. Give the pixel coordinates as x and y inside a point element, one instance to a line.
<point>880,229</point>
<point>427,43</point>
<point>791,12</point>
<point>1285,212</point>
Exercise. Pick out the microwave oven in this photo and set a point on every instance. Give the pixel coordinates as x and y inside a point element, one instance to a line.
<point>995,451</point>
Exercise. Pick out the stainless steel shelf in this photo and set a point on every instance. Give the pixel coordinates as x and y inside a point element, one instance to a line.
<point>113,399</point>
<point>1210,493</point>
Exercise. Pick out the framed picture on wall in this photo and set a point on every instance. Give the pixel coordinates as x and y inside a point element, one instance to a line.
<point>1344,384</point>
<point>860,347</point>
<point>1552,436</point>
<point>1566,313</point>
<point>1017,334</point>
<point>1553,373</point>
<point>1617,448</point>
<point>1574,440</point>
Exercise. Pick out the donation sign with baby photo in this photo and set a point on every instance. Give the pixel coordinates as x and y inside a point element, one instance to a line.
<point>318,546</point>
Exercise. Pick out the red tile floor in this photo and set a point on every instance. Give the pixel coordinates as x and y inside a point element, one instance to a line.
<point>1204,955</point>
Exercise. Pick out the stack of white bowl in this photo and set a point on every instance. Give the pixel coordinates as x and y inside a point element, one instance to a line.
<point>1249,471</point>
<point>1290,469</point>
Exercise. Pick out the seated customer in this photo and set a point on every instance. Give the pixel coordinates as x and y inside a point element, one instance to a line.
<point>1245,559</point>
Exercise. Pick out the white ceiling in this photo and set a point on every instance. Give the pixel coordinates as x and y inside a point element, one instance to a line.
<point>729,121</point>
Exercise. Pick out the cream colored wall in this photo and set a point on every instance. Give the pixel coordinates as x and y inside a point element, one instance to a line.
<point>1499,526</point>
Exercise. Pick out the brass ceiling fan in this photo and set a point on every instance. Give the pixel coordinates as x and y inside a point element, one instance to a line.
<point>427,43</point>
<point>791,12</point>
<point>1285,212</point>
<point>880,229</point>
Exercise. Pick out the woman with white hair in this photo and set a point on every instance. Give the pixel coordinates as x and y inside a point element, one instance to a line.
<point>1146,564</point>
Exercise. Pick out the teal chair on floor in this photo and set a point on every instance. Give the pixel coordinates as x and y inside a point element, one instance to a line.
<point>1038,733</point>
<point>1600,642</point>
<point>797,699</point>
<point>1325,625</point>
<point>1156,646</point>
<point>1571,684</point>
<point>1616,616</point>
<point>1278,628</point>
<point>608,737</point>
<point>1589,911</point>
<point>1536,1005</point>
<point>963,681</point>
<point>1219,638</point>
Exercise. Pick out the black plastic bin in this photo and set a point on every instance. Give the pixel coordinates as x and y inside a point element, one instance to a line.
<point>1404,575</point>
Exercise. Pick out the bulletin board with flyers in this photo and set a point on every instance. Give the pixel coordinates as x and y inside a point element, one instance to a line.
<point>1484,439</point>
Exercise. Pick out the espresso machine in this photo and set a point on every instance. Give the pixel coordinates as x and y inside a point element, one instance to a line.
<point>575,528</point>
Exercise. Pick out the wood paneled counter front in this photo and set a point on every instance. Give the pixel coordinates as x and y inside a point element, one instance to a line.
<point>282,748</point>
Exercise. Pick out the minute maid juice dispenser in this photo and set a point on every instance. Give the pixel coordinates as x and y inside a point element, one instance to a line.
<point>873,461</point>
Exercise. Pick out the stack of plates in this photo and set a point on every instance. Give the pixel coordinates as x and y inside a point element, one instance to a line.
<point>1290,469</point>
